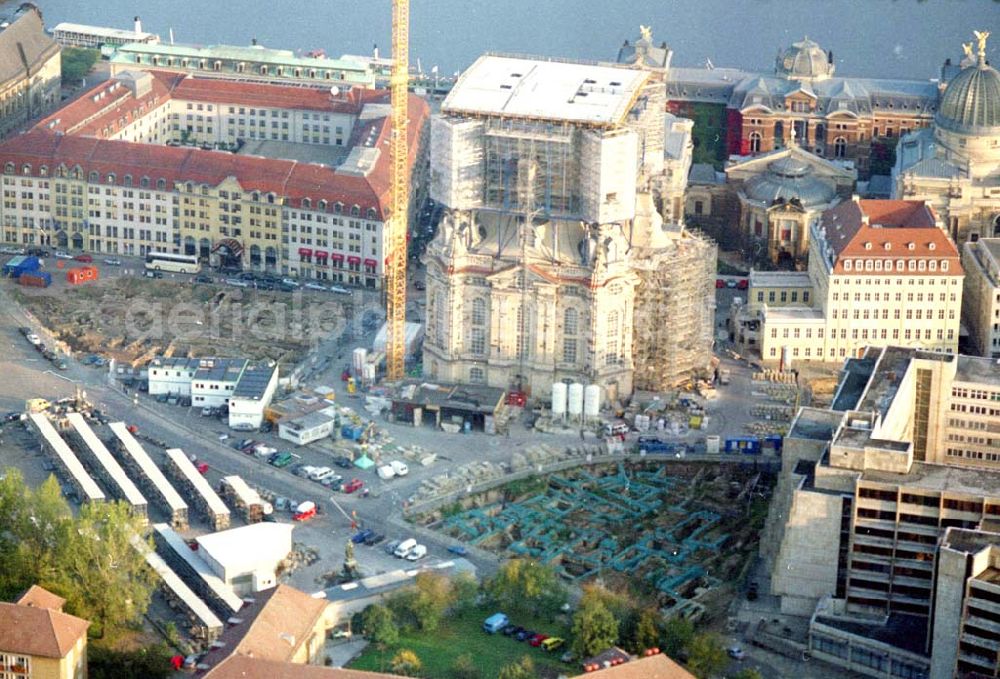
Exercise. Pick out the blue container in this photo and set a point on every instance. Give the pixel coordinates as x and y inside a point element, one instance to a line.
<point>21,264</point>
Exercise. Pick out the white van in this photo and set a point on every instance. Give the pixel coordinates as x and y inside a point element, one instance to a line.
<point>318,473</point>
<point>404,548</point>
<point>386,471</point>
<point>615,429</point>
<point>400,468</point>
<point>417,553</point>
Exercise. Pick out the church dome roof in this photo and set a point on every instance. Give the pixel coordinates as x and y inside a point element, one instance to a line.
<point>789,178</point>
<point>804,60</point>
<point>971,101</point>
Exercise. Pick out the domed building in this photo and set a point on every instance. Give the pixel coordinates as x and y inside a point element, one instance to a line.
<point>955,165</point>
<point>781,193</point>
<point>804,60</point>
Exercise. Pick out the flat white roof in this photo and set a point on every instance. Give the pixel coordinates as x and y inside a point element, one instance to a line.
<point>148,467</point>
<point>194,477</point>
<point>128,490</point>
<point>101,31</point>
<point>523,87</point>
<point>221,589</point>
<point>67,456</point>
<point>780,279</point>
<point>244,549</point>
<point>787,314</point>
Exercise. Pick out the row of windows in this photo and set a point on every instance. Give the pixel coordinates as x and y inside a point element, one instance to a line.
<point>909,282</point>
<point>867,314</point>
<point>784,296</point>
<point>975,394</point>
<point>868,297</point>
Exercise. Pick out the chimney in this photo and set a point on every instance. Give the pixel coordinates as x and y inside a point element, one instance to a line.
<point>253,42</point>
<point>138,25</point>
<point>375,52</point>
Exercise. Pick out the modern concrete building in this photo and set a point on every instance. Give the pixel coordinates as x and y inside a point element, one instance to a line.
<point>869,491</point>
<point>553,248</point>
<point>38,640</point>
<point>249,63</point>
<point>270,177</point>
<point>981,295</point>
<point>252,395</point>
<point>245,389</point>
<point>30,69</point>
<point>881,273</point>
<point>955,165</point>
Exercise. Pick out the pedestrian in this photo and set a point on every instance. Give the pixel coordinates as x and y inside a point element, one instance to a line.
<point>581,434</point>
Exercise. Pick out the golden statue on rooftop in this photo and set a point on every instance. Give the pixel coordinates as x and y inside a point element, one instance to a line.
<point>647,33</point>
<point>967,48</point>
<point>981,37</point>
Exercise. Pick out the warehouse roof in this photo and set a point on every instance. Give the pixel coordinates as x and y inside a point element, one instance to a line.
<point>241,549</point>
<point>524,87</point>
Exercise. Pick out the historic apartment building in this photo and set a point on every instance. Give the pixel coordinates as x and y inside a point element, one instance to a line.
<point>155,161</point>
<point>553,261</point>
<point>880,273</point>
<point>981,295</point>
<point>38,640</point>
<point>30,69</point>
<point>955,165</point>
<point>876,496</point>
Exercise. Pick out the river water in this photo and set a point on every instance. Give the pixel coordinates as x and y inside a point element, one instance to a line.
<point>876,38</point>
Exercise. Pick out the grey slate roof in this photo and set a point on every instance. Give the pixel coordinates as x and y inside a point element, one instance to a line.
<point>26,32</point>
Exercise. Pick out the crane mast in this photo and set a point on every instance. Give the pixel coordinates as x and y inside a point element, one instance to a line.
<point>400,180</point>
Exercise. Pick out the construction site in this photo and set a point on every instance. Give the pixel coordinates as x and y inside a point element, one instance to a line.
<point>132,319</point>
<point>676,533</point>
<point>553,262</point>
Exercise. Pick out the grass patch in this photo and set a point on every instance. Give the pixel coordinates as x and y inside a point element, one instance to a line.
<point>77,62</point>
<point>463,633</point>
<point>709,133</point>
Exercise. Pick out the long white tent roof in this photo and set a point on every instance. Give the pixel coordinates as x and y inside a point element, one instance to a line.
<point>522,87</point>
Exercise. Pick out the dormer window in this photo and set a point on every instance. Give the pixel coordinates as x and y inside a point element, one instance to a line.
<point>847,265</point>
<point>944,264</point>
<point>868,246</point>
<point>932,246</point>
<point>887,246</point>
<point>911,246</point>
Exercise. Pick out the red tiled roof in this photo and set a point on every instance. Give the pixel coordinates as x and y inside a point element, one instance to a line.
<point>888,230</point>
<point>30,630</point>
<point>39,597</point>
<point>68,137</point>
<point>243,667</point>
<point>653,667</point>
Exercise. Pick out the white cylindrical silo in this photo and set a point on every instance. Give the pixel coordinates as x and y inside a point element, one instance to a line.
<point>358,358</point>
<point>575,399</point>
<point>592,402</point>
<point>558,400</point>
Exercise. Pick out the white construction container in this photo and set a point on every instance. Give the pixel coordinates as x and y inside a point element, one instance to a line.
<point>559,391</point>
<point>712,445</point>
<point>575,400</point>
<point>592,402</point>
<point>358,358</point>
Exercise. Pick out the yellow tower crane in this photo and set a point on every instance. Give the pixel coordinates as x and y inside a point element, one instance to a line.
<point>395,279</point>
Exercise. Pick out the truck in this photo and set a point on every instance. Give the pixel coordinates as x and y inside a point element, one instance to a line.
<point>724,375</point>
<point>652,445</point>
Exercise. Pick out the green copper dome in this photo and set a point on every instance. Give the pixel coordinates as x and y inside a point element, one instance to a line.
<point>971,102</point>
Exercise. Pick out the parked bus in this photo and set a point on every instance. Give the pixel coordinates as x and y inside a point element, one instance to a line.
<point>165,261</point>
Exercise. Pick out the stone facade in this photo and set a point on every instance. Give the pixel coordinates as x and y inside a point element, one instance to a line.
<point>30,70</point>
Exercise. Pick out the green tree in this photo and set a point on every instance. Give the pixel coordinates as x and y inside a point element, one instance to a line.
<point>151,662</point>
<point>464,667</point>
<point>76,63</point>
<point>646,634</point>
<point>594,627</point>
<point>465,589</point>
<point>379,625</point>
<point>101,574</point>
<point>434,596</point>
<point>677,636</point>
<point>748,673</point>
<point>522,669</point>
<point>706,657</point>
<point>522,585</point>
<point>406,662</point>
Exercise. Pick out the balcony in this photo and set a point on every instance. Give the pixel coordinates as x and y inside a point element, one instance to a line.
<point>977,660</point>
<point>984,604</point>
<point>987,644</point>
<point>983,623</point>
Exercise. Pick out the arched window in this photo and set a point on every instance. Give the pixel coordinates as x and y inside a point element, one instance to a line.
<point>338,208</point>
<point>255,196</point>
<point>477,333</point>
<point>26,169</point>
<point>322,205</point>
<point>355,210</point>
<point>8,168</point>
<point>570,322</point>
<point>110,179</point>
<point>779,134</point>
<point>127,180</point>
<point>372,214</point>
<point>144,182</point>
<point>839,147</point>
<point>43,171</point>
<point>161,184</point>
<point>306,203</point>
<point>94,178</point>
<point>996,226</point>
<point>755,142</point>
<point>611,355</point>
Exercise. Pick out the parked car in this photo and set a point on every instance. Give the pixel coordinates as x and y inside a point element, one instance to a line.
<point>417,553</point>
<point>403,548</point>
<point>719,283</point>
<point>113,261</point>
<point>736,653</point>
<point>458,550</point>
<point>524,634</point>
<point>742,284</point>
<point>33,338</point>
<point>63,255</point>
<point>730,283</point>
<point>304,511</point>
<point>314,286</point>
<point>343,462</point>
<point>390,547</point>
<point>339,290</point>
<point>537,640</point>
<point>281,459</point>
<point>153,274</point>
<point>362,535</point>
<point>552,643</point>
<point>399,468</point>
<point>495,623</point>
<point>85,258</point>
<point>331,480</point>
<point>510,629</point>
<point>290,282</point>
<point>373,540</point>
<point>203,279</point>
<point>207,411</point>
<point>353,485</point>
<point>237,283</point>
